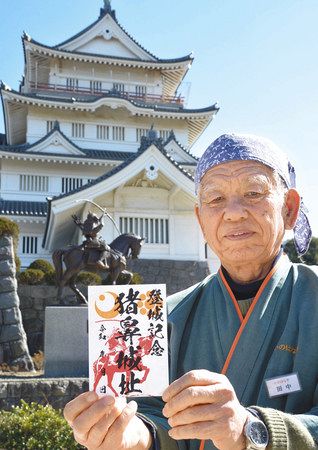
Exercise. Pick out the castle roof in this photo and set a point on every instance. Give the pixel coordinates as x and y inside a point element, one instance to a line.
<point>73,151</point>
<point>145,144</point>
<point>198,118</point>
<point>158,63</point>
<point>105,41</point>
<point>104,12</point>
<point>23,208</point>
<point>151,152</point>
<point>172,138</point>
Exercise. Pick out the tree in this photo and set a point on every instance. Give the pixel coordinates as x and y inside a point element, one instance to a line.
<point>310,258</point>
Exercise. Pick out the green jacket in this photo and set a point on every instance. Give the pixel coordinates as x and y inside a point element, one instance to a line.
<point>279,336</point>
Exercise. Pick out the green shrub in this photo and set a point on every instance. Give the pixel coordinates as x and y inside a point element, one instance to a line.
<point>31,277</point>
<point>88,278</point>
<point>137,278</point>
<point>17,263</point>
<point>122,279</point>
<point>41,264</point>
<point>50,278</point>
<point>35,427</point>
<point>7,226</point>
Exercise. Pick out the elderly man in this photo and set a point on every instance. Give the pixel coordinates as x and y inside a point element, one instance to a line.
<point>244,341</point>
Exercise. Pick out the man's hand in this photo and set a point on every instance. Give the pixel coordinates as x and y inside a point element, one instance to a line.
<point>105,423</point>
<point>203,405</point>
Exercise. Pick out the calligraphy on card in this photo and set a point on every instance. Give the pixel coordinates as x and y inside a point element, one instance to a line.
<point>128,346</point>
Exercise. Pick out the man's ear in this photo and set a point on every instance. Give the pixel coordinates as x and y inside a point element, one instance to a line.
<point>197,213</point>
<point>292,205</point>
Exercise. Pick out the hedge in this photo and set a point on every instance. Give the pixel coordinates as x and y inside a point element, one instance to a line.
<point>41,264</point>
<point>35,427</point>
<point>31,277</point>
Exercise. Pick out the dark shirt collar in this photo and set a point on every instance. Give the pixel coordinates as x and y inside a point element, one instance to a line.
<point>247,290</point>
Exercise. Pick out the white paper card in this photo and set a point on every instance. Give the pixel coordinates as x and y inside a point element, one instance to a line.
<point>283,385</point>
<point>128,345</point>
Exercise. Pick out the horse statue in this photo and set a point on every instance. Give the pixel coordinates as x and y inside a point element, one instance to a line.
<point>110,258</point>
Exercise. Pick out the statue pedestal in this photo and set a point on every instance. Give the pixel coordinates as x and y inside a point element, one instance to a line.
<point>66,341</point>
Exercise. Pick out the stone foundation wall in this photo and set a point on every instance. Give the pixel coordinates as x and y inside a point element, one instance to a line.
<point>55,391</point>
<point>13,341</point>
<point>33,301</point>
<point>177,275</point>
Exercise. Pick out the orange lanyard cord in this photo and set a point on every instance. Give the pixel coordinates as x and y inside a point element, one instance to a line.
<point>243,321</point>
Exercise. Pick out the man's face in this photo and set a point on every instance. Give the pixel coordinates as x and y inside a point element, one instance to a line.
<point>242,212</point>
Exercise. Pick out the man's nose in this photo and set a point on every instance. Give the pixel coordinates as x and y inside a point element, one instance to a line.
<point>235,209</point>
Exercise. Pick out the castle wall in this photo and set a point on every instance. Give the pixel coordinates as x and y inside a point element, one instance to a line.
<point>37,127</point>
<point>12,187</point>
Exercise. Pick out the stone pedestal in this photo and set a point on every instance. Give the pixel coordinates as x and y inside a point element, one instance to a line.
<point>66,341</point>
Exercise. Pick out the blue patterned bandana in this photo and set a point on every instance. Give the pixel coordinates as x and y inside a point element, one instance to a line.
<point>243,147</point>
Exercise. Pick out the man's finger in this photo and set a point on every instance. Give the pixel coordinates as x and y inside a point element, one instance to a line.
<point>79,404</point>
<point>193,378</point>
<point>197,395</point>
<point>83,423</point>
<point>118,427</point>
<point>200,413</point>
<point>99,430</point>
<point>199,430</point>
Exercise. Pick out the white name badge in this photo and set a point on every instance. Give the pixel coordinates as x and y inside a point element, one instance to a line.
<point>283,385</point>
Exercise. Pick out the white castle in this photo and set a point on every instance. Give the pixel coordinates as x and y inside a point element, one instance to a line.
<point>99,118</point>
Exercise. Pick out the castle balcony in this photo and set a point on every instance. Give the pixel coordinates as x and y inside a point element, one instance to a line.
<point>91,93</point>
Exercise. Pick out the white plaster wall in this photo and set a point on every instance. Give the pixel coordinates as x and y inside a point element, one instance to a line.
<point>101,46</point>
<point>182,203</point>
<point>37,128</point>
<point>185,236</point>
<point>213,261</point>
<point>11,169</point>
<point>138,198</point>
<point>107,75</point>
<point>185,241</point>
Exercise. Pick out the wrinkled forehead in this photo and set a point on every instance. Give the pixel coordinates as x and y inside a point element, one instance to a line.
<point>242,170</point>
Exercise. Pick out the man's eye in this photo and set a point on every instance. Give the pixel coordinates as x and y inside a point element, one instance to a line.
<point>209,200</point>
<point>215,200</point>
<point>253,194</point>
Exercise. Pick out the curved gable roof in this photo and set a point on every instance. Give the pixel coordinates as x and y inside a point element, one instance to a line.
<point>146,143</point>
<point>156,63</point>
<point>172,138</point>
<point>105,14</point>
<point>62,204</point>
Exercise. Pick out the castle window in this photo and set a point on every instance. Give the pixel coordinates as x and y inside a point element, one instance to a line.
<point>119,87</point>
<point>29,245</point>
<point>34,183</point>
<point>140,132</point>
<point>49,125</point>
<point>141,90</point>
<point>164,134</point>
<point>72,84</point>
<point>96,86</point>
<point>102,132</point>
<point>78,130</point>
<point>118,133</point>
<point>70,183</point>
<point>153,230</point>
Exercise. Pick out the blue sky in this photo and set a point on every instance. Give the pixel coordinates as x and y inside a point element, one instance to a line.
<point>257,58</point>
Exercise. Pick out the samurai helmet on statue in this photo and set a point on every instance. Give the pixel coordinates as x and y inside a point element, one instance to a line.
<point>92,217</point>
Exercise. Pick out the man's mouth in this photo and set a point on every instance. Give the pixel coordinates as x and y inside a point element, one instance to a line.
<point>238,235</point>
